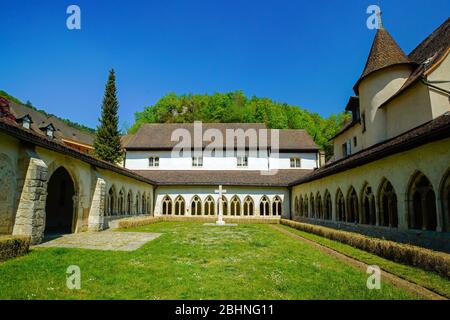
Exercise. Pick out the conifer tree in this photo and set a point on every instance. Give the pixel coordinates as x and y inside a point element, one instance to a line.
<point>107,139</point>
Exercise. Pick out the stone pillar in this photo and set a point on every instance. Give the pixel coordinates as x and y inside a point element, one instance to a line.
<point>96,221</point>
<point>403,207</point>
<point>440,223</point>
<point>30,217</point>
<point>334,209</point>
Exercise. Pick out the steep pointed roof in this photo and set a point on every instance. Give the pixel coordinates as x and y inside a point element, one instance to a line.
<point>385,52</point>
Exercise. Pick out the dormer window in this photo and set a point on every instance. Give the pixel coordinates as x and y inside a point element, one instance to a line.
<point>49,130</point>
<point>26,122</point>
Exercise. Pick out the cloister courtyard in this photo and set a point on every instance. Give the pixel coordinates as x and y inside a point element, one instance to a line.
<point>188,260</point>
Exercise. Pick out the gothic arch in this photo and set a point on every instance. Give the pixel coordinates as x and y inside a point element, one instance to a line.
<point>121,202</point>
<point>301,206</point>
<point>445,200</point>
<point>196,206</point>
<point>421,204</point>
<point>129,207</point>
<point>264,206</point>
<point>328,206</point>
<point>224,205</point>
<point>306,207</point>
<point>235,206</point>
<point>340,206</point>
<point>296,207</point>
<point>368,208</point>
<point>277,206</point>
<point>352,206</point>
<point>167,205</point>
<point>387,205</point>
<point>144,203</point>
<point>249,206</point>
<point>312,205</point>
<point>319,206</point>
<point>209,206</point>
<point>111,201</point>
<point>137,203</point>
<point>180,206</point>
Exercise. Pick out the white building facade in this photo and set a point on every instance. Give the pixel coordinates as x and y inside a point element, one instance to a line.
<point>255,176</point>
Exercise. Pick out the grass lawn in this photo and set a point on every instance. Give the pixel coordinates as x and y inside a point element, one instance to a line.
<point>423,278</point>
<point>192,261</point>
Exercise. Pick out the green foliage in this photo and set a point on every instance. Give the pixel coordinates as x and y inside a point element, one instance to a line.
<point>13,246</point>
<point>107,139</point>
<point>236,107</point>
<point>30,105</point>
<point>9,97</point>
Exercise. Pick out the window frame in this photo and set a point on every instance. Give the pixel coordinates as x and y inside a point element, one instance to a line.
<point>295,163</point>
<point>197,162</point>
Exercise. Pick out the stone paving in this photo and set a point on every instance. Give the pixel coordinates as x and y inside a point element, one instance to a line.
<point>106,240</point>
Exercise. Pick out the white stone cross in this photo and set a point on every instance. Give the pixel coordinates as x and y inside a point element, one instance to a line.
<point>220,191</point>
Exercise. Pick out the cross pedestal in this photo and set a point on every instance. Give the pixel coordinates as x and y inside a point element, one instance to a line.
<point>220,191</point>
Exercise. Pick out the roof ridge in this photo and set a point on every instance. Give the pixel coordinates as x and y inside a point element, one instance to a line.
<point>429,38</point>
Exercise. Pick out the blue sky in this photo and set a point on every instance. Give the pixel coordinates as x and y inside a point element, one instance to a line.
<point>305,53</point>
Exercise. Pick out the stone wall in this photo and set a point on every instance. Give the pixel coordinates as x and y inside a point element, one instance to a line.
<point>24,174</point>
<point>431,160</point>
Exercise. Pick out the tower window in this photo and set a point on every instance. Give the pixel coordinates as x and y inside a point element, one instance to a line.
<point>363,122</point>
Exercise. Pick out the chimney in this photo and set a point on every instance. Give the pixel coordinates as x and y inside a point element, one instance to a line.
<point>321,158</point>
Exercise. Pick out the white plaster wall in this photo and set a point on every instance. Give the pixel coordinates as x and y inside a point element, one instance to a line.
<point>355,131</point>
<point>374,90</point>
<point>440,77</point>
<point>138,160</point>
<point>283,161</point>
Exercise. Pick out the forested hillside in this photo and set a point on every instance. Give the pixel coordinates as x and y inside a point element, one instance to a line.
<point>236,107</point>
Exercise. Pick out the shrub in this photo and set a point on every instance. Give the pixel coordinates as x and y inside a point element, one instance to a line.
<point>426,259</point>
<point>13,246</point>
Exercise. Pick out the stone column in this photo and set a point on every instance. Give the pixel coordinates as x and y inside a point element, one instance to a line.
<point>334,209</point>
<point>96,221</point>
<point>30,217</point>
<point>440,222</point>
<point>403,208</point>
